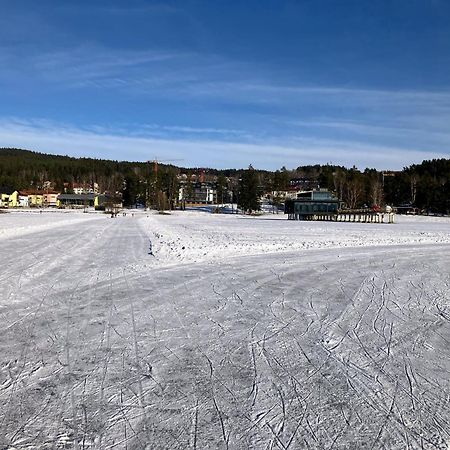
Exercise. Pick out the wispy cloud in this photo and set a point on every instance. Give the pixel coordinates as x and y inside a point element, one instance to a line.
<point>426,135</point>
<point>90,63</point>
<point>203,76</point>
<point>187,131</point>
<point>151,72</point>
<point>57,138</point>
<point>343,98</point>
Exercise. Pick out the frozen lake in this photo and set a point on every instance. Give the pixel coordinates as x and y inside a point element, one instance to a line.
<point>195,331</point>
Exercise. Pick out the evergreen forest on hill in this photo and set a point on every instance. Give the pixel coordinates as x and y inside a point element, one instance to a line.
<point>425,186</point>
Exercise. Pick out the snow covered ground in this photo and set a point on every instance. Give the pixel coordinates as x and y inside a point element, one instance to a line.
<point>196,236</point>
<point>196,330</point>
<point>20,222</point>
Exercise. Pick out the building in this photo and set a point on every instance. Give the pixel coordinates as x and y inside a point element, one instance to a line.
<point>81,188</point>
<point>18,199</point>
<point>200,192</point>
<point>35,199</point>
<point>291,192</point>
<point>205,192</point>
<point>304,184</point>
<point>75,200</point>
<point>28,198</point>
<point>4,200</point>
<point>85,188</point>
<point>25,199</point>
<point>50,198</point>
<point>104,202</point>
<point>311,203</point>
<point>4,196</point>
<point>47,185</point>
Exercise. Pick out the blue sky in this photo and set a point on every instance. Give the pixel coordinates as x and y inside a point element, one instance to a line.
<point>228,83</point>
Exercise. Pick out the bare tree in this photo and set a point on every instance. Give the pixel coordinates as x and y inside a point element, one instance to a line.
<point>354,190</point>
<point>376,191</point>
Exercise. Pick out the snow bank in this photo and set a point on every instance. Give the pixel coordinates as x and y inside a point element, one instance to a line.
<point>195,236</point>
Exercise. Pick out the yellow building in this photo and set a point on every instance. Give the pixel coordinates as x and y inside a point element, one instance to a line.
<point>14,200</point>
<point>25,199</point>
<point>4,200</point>
<point>35,199</point>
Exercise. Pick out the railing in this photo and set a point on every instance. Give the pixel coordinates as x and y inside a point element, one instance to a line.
<point>361,216</point>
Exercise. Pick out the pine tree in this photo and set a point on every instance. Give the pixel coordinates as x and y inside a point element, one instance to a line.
<point>221,189</point>
<point>249,191</point>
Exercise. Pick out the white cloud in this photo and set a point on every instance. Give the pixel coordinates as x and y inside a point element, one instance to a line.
<point>56,138</point>
<point>420,131</point>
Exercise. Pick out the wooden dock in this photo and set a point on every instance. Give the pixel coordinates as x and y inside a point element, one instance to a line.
<point>355,216</point>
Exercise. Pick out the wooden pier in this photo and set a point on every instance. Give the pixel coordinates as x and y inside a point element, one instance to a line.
<point>347,216</point>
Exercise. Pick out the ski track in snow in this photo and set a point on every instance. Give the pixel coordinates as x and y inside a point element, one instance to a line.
<point>195,330</point>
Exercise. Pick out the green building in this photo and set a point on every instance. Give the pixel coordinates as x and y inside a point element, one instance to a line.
<point>311,203</point>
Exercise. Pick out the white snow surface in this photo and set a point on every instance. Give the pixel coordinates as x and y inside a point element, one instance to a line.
<point>192,330</point>
<point>197,236</point>
<point>20,222</point>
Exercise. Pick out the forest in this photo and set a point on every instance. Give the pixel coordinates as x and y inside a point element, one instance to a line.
<point>425,186</point>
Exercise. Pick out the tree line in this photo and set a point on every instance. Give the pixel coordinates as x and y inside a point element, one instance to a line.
<point>425,186</point>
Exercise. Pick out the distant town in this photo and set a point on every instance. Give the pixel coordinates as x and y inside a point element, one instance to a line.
<point>36,180</point>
